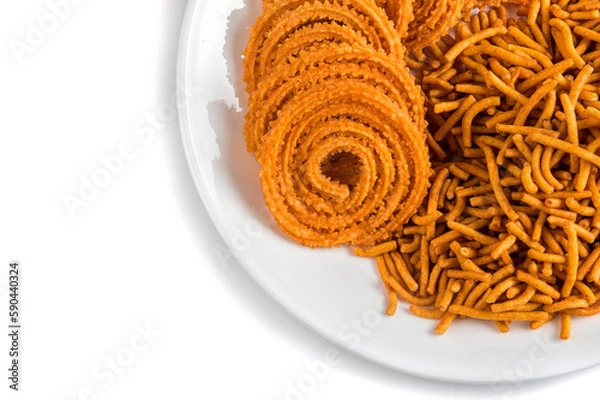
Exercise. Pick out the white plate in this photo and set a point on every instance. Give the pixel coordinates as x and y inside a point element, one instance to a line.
<point>336,294</point>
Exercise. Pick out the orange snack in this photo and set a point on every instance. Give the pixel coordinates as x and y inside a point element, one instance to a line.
<point>472,180</point>
<point>401,14</point>
<point>351,120</point>
<point>510,118</point>
<point>342,21</point>
<point>326,63</point>
<point>432,20</point>
<point>335,120</point>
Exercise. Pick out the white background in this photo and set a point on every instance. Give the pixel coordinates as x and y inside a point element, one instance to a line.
<point>94,87</point>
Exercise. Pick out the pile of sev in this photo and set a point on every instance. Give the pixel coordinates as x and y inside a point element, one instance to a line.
<point>335,121</point>
<point>509,229</point>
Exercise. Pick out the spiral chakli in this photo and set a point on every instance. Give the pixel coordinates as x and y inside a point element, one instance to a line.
<point>401,14</point>
<point>287,26</point>
<point>335,121</point>
<point>343,163</point>
<point>423,22</point>
<point>432,19</point>
<point>350,61</point>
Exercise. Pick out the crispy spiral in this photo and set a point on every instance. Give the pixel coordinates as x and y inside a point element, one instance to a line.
<point>432,20</point>
<point>335,120</point>
<point>401,14</point>
<point>286,21</point>
<point>352,61</point>
<point>423,22</point>
<point>343,165</point>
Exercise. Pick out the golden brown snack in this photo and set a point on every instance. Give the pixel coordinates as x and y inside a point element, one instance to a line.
<point>514,204</point>
<point>281,20</point>
<point>432,20</point>
<point>335,120</point>
<point>325,63</point>
<point>385,173</point>
<point>401,14</point>
<point>508,228</point>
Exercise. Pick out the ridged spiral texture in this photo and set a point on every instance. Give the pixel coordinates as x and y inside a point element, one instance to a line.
<point>283,21</point>
<point>335,121</point>
<point>343,60</point>
<point>421,23</point>
<point>401,14</point>
<point>432,20</point>
<point>381,186</point>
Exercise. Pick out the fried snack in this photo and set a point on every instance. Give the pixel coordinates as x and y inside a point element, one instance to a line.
<point>512,218</point>
<point>368,199</point>
<point>335,121</point>
<point>427,21</point>
<point>286,27</point>
<point>508,229</point>
<point>326,63</point>
<point>432,20</point>
<point>401,14</point>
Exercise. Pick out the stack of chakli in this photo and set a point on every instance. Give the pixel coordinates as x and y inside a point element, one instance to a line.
<point>335,121</point>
